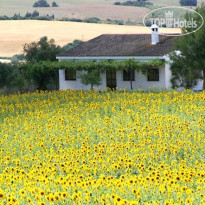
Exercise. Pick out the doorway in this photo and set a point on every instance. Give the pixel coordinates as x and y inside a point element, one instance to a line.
<point>111,79</point>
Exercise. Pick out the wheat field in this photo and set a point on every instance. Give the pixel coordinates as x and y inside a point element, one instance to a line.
<point>14,34</point>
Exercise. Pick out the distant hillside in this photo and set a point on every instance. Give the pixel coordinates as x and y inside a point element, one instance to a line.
<point>14,34</point>
<point>101,9</point>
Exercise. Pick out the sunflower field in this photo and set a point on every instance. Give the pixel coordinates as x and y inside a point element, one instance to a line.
<point>85,147</point>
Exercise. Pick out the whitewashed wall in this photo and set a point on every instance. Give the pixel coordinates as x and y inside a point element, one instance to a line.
<point>76,84</point>
<point>140,82</point>
<point>140,79</point>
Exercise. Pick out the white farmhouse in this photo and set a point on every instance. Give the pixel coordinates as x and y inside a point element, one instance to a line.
<point>141,47</point>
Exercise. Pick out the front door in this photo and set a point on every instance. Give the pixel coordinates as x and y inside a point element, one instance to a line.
<point>111,79</point>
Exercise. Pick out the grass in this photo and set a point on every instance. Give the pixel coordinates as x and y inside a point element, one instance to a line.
<point>14,34</point>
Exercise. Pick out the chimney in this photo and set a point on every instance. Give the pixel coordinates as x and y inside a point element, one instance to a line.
<point>155,35</point>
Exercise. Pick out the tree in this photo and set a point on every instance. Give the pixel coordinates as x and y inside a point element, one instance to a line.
<point>54,4</point>
<point>41,3</point>
<point>5,71</point>
<point>191,62</point>
<point>130,66</point>
<point>44,50</point>
<point>44,74</point>
<point>11,77</point>
<point>28,15</point>
<point>37,52</point>
<point>91,78</point>
<point>188,2</point>
<point>35,14</point>
<point>72,45</point>
<point>182,75</point>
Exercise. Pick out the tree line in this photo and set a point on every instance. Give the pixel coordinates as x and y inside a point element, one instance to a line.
<point>36,16</point>
<point>144,3</point>
<point>139,3</point>
<point>188,2</point>
<point>29,15</point>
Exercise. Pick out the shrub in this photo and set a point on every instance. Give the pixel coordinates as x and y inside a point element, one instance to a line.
<point>17,17</point>
<point>41,3</point>
<point>140,3</point>
<point>92,20</point>
<point>188,2</point>
<point>117,3</point>
<point>54,4</point>
<point>4,17</point>
<point>72,45</point>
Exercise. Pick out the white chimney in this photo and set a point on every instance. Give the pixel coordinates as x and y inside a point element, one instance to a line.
<point>155,35</point>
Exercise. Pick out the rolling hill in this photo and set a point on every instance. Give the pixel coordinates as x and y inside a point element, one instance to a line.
<point>14,34</point>
<point>102,9</point>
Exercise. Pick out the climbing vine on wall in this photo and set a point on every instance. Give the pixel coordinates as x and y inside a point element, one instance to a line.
<point>44,72</point>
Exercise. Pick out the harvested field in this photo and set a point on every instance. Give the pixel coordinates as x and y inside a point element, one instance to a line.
<point>14,34</point>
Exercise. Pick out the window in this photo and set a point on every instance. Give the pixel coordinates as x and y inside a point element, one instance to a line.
<point>128,75</point>
<point>153,74</point>
<point>70,75</point>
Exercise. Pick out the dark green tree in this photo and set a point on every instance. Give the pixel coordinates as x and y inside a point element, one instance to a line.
<point>35,14</point>
<point>5,71</point>
<point>91,78</point>
<point>72,45</point>
<point>190,63</point>
<point>54,4</point>
<point>43,50</point>
<point>11,77</point>
<point>182,74</point>
<point>28,15</point>
<point>44,74</point>
<point>37,52</point>
<point>41,3</point>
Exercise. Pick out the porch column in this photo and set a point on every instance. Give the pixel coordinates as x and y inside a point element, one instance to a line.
<point>61,79</point>
<point>167,73</point>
